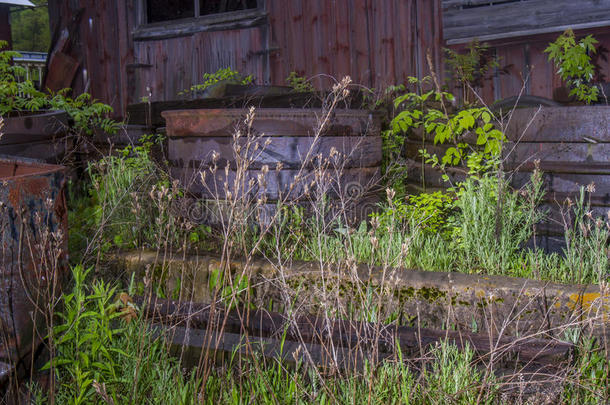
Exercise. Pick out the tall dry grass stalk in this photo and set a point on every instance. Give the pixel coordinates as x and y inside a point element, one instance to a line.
<point>251,229</point>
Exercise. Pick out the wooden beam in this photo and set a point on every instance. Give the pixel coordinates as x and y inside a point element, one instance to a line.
<point>510,19</point>
<point>354,335</point>
<point>215,22</point>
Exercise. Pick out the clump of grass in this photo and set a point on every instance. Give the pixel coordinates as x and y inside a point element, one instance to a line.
<point>102,358</point>
<point>479,227</point>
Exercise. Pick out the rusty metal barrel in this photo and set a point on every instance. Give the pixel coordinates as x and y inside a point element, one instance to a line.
<point>36,135</point>
<point>286,152</point>
<point>33,255</point>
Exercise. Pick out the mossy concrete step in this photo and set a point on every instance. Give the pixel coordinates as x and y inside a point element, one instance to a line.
<point>473,302</point>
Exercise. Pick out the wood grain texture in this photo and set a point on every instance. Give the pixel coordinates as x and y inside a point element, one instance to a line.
<point>377,43</point>
<point>352,151</point>
<point>276,185</point>
<point>513,17</point>
<point>271,122</point>
<point>561,124</point>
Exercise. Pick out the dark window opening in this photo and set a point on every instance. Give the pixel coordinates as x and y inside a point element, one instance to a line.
<point>167,10</point>
<point>208,7</point>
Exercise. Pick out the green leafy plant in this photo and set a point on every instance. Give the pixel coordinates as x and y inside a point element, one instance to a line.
<point>16,94</point>
<point>429,114</point>
<point>494,222</point>
<point>230,290</point>
<point>574,65</point>
<point>123,205</point>
<point>103,358</point>
<point>299,83</point>
<point>221,75</point>
<point>430,211</point>
<point>470,67</point>
<point>21,95</point>
<point>84,343</point>
<point>88,114</point>
<point>587,383</point>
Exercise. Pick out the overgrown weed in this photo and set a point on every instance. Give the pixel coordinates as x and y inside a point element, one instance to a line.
<point>134,206</point>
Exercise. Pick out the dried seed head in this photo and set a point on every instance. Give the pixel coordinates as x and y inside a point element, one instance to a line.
<point>390,194</point>
<point>375,222</point>
<point>374,242</point>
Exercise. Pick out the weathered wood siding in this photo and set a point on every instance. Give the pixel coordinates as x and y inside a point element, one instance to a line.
<point>376,42</point>
<point>518,32</point>
<point>488,20</point>
<point>101,42</point>
<point>525,67</point>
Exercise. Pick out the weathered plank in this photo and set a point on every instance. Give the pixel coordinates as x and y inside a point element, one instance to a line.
<point>449,4</point>
<point>578,156</point>
<point>355,335</point>
<point>271,122</point>
<point>353,151</point>
<point>288,351</point>
<point>560,124</point>
<point>523,18</point>
<point>142,113</point>
<point>278,184</point>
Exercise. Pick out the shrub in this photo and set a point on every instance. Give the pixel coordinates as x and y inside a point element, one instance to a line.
<point>573,62</point>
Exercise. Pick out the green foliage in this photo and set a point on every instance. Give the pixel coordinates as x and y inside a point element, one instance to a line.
<point>101,358</point>
<point>87,113</point>
<point>430,211</point>
<point>449,127</point>
<point>587,382</point>
<point>221,75</point>
<point>493,222</point>
<point>85,339</point>
<point>299,83</point>
<point>586,240</point>
<point>15,95</point>
<point>428,113</point>
<point>30,28</point>
<point>231,290</point>
<point>470,67</point>
<point>452,378</point>
<point>114,209</point>
<point>120,185</point>
<point>573,62</point>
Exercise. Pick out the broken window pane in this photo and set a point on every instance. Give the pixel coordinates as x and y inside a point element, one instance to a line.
<point>207,7</point>
<point>164,10</point>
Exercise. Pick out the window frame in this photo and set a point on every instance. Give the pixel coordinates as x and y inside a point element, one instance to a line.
<point>188,26</point>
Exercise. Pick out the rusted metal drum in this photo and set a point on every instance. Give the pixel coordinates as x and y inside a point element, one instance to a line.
<point>286,152</point>
<point>36,135</point>
<point>33,254</point>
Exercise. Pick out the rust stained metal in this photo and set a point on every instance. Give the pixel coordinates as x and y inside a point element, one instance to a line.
<point>270,121</point>
<point>33,254</point>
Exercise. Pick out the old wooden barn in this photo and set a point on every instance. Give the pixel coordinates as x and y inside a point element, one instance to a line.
<point>123,50</point>
<point>127,51</point>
